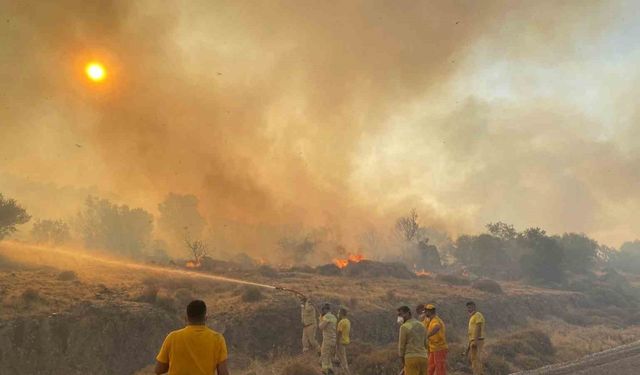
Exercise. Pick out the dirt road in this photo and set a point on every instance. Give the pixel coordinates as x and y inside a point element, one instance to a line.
<point>623,360</point>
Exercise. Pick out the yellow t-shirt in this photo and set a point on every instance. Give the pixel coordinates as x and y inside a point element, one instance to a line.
<point>438,341</point>
<point>476,318</point>
<point>344,329</point>
<point>193,350</point>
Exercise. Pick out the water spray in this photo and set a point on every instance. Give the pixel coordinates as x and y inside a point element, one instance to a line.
<point>146,267</point>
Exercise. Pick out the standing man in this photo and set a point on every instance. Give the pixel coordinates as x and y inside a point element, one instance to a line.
<point>437,337</point>
<point>412,343</point>
<point>195,349</point>
<point>309,325</point>
<point>328,326</point>
<point>344,331</point>
<point>476,338</point>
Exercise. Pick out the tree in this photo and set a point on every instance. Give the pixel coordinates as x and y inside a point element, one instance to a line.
<point>485,254</point>
<point>179,213</point>
<point>11,214</point>
<point>628,258</point>
<point>503,231</point>
<point>117,228</point>
<point>580,252</point>
<point>53,232</point>
<point>543,261</point>
<point>197,249</point>
<point>407,226</point>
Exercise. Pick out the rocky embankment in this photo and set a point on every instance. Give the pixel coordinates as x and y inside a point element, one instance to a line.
<point>92,338</point>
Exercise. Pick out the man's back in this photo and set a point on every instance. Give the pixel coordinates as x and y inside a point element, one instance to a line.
<point>193,350</point>
<point>413,339</point>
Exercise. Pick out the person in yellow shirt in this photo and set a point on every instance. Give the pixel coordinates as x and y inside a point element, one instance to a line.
<point>476,338</point>
<point>195,349</point>
<point>344,331</point>
<point>437,337</point>
<point>412,343</point>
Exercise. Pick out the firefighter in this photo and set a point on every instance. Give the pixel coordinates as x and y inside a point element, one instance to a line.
<point>437,337</point>
<point>412,343</point>
<point>344,331</point>
<point>309,325</point>
<point>328,326</point>
<point>476,339</point>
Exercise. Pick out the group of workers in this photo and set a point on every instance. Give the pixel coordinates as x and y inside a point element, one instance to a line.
<point>422,344</point>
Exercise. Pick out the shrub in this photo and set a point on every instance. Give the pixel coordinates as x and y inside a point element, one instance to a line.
<point>67,276</point>
<point>252,294</point>
<point>183,296</point>
<point>149,294</point>
<point>30,295</point>
<point>166,303</point>
<point>379,362</point>
<point>496,365</point>
<point>299,368</point>
<point>453,279</point>
<point>526,348</point>
<point>267,271</point>
<point>487,285</point>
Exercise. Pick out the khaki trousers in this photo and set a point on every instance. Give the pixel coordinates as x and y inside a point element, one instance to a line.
<point>415,366</point>
<point>309,338</point>
<point>342,357</point>
<point>476,357</point>
<point>327,352</point>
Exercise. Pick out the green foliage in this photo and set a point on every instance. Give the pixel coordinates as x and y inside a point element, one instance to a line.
<point>543,262</point>
<point>484,254</point>
<point>53,232</point>
<point>120,229</point>
<point>11,214</point>
<point>628,258</point>
<point>579,250</point>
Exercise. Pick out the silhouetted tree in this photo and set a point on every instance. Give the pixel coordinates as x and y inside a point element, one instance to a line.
<point>53,232</point>
<point>407,226</point>
<point>543,262</point>
<point>11,214</point>
<point>179,213</point>
<point>580,252</point>
<point>118,228</point>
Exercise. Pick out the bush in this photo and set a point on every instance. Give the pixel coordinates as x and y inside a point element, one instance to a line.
<point>379,362</point>
<point>453,279</point>
<point>496,365</point>
<point>487,285</point>
<point>267,271</point>
<point>166,303</point>
<point>526,348</point>
<point>183,296</point>
<point>252,294</point>
<point>299,368</point>
<point>149,294</point>
<point>67,276</point>
<point>30,295</point>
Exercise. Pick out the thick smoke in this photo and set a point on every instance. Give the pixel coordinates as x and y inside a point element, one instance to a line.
<point>293,114</point>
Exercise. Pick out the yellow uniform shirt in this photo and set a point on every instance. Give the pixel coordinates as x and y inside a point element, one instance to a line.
<point>193,350</point>
<point>412,342</point>
<point>476,318</point>
<point>438,341</point>
<point>344,329</point>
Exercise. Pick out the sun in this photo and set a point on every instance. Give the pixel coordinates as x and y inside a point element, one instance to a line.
<point>95,71</point>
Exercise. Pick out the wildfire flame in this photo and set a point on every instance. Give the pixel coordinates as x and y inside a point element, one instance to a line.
<point>192,264</point>
<point>352,258</point>
<point>422,273</point>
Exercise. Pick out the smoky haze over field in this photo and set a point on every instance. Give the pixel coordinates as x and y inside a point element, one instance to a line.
<point>282,115</point>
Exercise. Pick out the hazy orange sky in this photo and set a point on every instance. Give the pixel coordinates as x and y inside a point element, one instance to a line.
<point>328,113</point>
